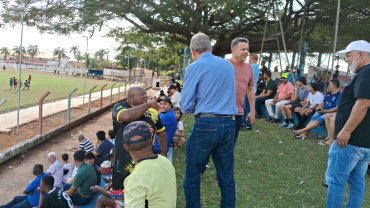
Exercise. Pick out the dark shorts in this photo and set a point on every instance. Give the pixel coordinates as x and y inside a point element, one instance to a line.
<point>295,105</point>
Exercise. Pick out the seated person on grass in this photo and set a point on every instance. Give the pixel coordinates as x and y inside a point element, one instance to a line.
<point>32,197</point>
<point>103,147</point>
<point>268,93</point>
<point>284,95</point>
<point>329,105</point>
<point>55,198</point>
<point>153,182</point>
<point>85,178</point>
<point>300,96</point>
<point>90,158</point>
<point>314,99</point>
<point>85,145</point>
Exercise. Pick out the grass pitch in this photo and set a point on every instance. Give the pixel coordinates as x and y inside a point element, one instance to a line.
<point>59,87</point>
<point>267,173</point>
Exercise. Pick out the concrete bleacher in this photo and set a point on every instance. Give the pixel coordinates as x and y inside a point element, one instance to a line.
<point>320,130</point>
<point>102,184</point>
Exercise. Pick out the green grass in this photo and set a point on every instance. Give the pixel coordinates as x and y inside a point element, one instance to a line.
<point>59,87</point>
<point>272,179</point>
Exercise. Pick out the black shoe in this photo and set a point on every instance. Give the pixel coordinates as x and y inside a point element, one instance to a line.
<point>246,128</point>
<point>259,116</point>
<point>269,118</point>
<point>324,184</point>
<point>274,120</point>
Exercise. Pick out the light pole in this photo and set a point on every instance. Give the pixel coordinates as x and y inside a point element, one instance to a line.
<point>112,63</point>
<point>20,67</point>
<point>87,46</point>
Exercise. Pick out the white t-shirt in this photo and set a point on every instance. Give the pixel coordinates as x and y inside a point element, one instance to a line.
<point>180,126</point>
<point>315,99</point>
<point>176,98</point>
<point>56,170</point>
<point>68,167</point>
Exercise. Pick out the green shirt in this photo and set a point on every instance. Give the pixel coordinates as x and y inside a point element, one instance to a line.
<point>271,85</point>
<point>84,179</point>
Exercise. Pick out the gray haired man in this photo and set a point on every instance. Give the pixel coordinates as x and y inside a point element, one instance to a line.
<point>214,127</point>
<point>349,155</point>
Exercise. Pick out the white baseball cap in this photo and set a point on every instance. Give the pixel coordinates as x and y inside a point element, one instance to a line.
<point>358,45</point>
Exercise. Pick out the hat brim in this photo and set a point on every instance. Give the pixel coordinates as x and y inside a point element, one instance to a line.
<point>343,53</point>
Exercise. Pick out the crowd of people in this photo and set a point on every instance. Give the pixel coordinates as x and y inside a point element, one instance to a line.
<point>144,128</point>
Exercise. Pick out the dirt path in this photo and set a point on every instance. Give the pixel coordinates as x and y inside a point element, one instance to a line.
<point>14,180</point>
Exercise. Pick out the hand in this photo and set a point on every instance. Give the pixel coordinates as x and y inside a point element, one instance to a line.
<point>296,88</point>
<point>323,111</point>
<point>251,116</point>
<point>107,186</point>
<point>40,190</point>
<point>153,104</point>
<point>342,138</point>
<point>95,188</point>
<point>318,109</point>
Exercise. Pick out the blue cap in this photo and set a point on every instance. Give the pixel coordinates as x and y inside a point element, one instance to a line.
<point>136,128</point>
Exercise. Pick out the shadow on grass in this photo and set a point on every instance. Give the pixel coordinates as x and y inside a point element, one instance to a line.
<point>267,173</point>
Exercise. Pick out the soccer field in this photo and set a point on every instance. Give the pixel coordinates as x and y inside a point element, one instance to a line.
<point>59,87</point>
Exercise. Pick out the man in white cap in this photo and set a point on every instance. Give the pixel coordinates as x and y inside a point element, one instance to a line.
<point>349,156</point>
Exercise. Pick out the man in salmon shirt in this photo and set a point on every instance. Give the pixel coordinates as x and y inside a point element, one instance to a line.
<point>283,96</point>
<point>244,81</point>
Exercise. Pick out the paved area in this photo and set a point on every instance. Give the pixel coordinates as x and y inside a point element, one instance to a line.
<point>14,180</point>
<point>26,115</point>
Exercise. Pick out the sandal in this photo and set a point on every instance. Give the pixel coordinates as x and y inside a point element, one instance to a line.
<point>300,137</point>
<point>324,144</point>
<point>324,140</point>
<point>107,179</point>
<point>295,133</point>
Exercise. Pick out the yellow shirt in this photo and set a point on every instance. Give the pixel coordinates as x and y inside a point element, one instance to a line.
<point>154,180</point>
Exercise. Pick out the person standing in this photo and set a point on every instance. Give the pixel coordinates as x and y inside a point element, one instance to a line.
<point>284,95</point>
<point>263,69</point>
<point>349,155</point>
<point>11,83</point>
<point>244,82</point>
<point>214,128</point>
<point>15,82</point>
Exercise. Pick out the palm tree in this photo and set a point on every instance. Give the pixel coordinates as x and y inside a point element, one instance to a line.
<point>100,55</point>
<point>17,52</point>
<point>74,50</point>
<point>60,53</point>
<point>87,60</point>
<point>107,53</point>
<point>79,57</point>
<point>33,51</point>
<point>5,52</point>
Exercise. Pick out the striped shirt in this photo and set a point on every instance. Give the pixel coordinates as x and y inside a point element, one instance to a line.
<point>86,145</point>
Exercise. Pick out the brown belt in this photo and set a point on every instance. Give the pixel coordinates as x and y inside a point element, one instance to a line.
<point>85,196</point>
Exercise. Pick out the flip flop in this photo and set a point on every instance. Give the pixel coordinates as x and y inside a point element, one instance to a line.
<point>295,133</point>
<point>300,137</point>
<point>324,144</point>
<point>324,140</point>
<point>107,180</point>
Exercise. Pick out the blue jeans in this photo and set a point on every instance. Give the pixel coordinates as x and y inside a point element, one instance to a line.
<point>210,137</point>
<point>77,199</point>
<point>247,110</point>
<point>18,202</point>
<point>348,164</point>
<point>259,102</point>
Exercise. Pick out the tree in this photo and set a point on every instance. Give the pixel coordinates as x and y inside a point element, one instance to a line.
<point>79,57</point>
<point>17,52</point>
<point>33,51</point>
<point>100,55</point>
<point>107,54</point>
<point>175,21</point>
<point>60,53</point>
<point>74,50</point>
<point>5,52</point>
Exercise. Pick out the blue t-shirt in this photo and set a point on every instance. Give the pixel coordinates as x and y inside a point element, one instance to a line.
<point>104,148</point>
<point>170,123</point>
<point>332,100</point>
<point>256,73</point>
<point>35,197</point>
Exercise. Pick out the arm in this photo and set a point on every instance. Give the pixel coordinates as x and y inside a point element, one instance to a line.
<point>71,191</point>
<point>189,90</point>
<point>97,189</point>
<point>27,192</point>
<point>358,113</point>
<point>314,107</point>
<point>96,148</point>
<point>330,111</point>
<point>41,196</point>
<point>181,134</point>
<point>252,102</point>
<point>268,93</point>
<point>129,115</point>
<point>162,140</point>
<point>321,106</point>
<point>289,95</point>
<point>295,96</point>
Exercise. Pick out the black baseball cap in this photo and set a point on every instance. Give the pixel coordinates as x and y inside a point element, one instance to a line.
<point>79,155</point>
<point>164,98</point>
<point>136,128</point>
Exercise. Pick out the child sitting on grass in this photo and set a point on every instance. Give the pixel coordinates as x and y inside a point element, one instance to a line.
<point>178,138</point>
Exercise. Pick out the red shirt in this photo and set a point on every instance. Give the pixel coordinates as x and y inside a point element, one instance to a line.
<point>285,89</point>
<point>243,78</point>
<point>15,81</point>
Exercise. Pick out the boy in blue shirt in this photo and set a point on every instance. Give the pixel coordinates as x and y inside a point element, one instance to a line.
<point>11,83</point>
<point>32,197</point>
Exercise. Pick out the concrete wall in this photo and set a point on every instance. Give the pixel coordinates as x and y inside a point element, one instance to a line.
<point>38,139</point>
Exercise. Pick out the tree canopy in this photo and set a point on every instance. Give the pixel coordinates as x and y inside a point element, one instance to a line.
<point>175,21</point>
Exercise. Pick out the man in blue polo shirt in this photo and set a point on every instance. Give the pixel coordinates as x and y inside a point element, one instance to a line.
<point>169,121</point>
<point>103,147</point>
<point>32,197</point>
